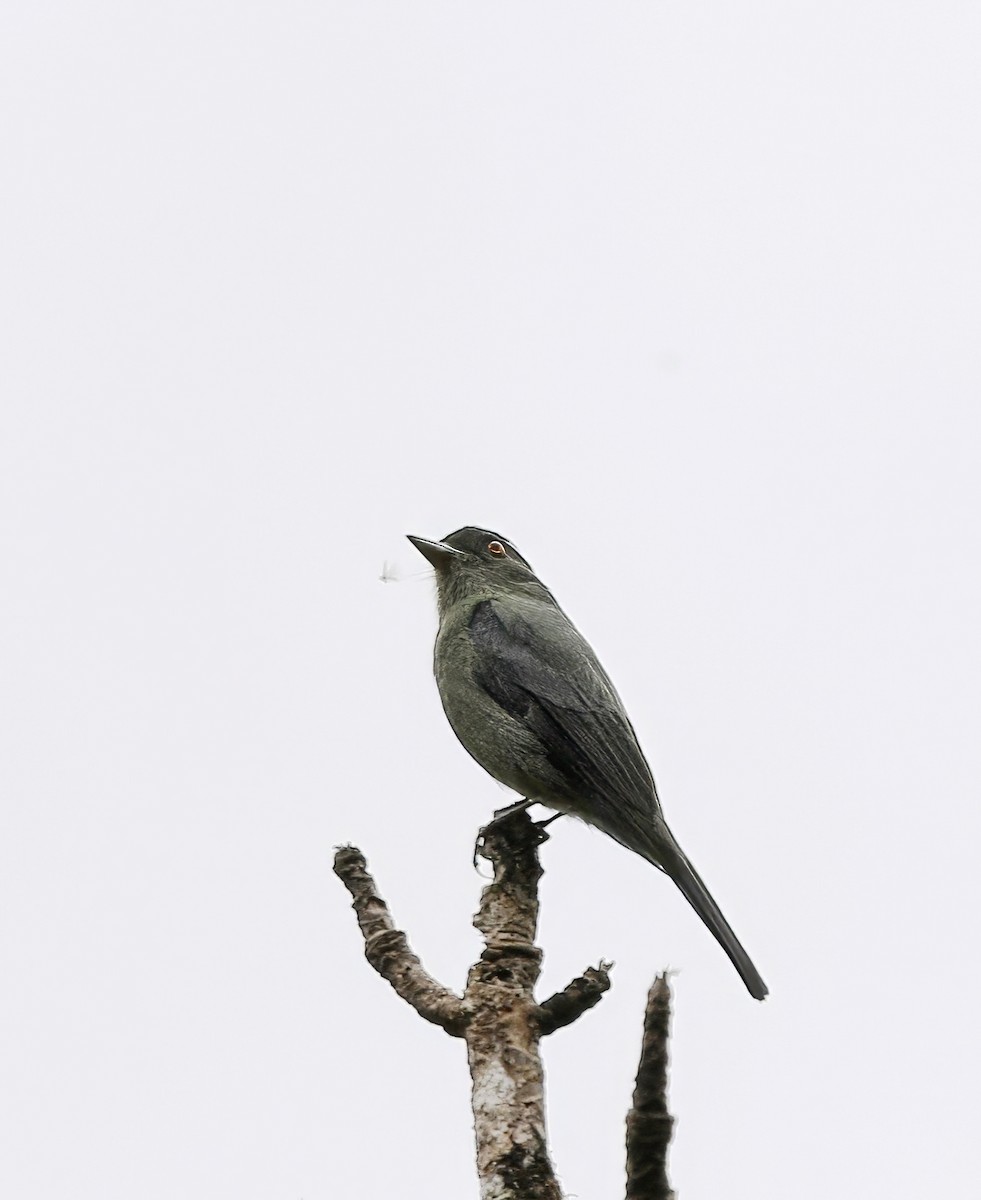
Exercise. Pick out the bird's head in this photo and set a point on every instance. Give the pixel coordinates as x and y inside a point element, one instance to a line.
<point>474,561</point>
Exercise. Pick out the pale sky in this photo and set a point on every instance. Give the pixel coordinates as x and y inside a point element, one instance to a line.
<point>681,298</point>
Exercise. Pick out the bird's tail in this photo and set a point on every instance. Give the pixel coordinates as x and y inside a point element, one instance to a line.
<point>669,856</point>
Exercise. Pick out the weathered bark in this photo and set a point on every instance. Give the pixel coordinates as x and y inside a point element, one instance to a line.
<point>505,1025</point>
<point>649,1124</point>
<point>388,951</point>
<point>577,997</point>
<point>497,1015</point>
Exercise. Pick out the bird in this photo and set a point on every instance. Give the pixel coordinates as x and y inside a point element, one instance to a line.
<point>529,700</point>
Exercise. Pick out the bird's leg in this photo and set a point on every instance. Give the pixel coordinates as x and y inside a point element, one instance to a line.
<point>553,817</point>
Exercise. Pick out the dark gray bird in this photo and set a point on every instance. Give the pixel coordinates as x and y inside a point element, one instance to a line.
<point>528,699</point>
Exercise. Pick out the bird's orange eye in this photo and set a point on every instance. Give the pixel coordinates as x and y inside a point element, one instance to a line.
<point>496,548</point>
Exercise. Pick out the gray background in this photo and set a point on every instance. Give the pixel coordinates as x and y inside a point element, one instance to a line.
<point>683,299</point>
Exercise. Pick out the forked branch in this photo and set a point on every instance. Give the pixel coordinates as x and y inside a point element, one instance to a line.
<point>503,1024</point>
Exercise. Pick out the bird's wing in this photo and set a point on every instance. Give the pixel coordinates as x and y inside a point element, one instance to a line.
<point>532,661</point>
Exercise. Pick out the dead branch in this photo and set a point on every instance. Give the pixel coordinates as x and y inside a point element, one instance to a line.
<point>503,1033</point>
<point>388,950</point>
<point>649,1124</point>
<point>577,997</point>
<point>497,1015</point>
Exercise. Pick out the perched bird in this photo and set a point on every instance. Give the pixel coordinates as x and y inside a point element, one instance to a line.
<point>528,699</point>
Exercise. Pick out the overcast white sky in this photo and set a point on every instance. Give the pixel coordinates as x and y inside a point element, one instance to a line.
<point>682,298</point>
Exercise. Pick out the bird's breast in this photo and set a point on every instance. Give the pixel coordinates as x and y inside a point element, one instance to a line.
<point>499,741</point>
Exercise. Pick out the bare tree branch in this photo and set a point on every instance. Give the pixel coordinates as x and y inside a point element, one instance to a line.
<point>388,950</point>
<point>503,1034</point>
<point>503,1025</point>
<point>575,998</point>
<point>649,1124</point>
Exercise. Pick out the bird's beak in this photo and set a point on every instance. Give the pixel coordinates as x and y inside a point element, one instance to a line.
<point>438,553</point>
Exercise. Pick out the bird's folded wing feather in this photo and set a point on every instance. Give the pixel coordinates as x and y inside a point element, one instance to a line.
<point>530,659</point>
